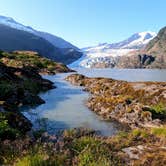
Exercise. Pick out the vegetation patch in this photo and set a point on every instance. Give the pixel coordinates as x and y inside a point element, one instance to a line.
<point>161,131</point>
<point>29,58</point>
<point>6,131</point>
<point>158,111</point>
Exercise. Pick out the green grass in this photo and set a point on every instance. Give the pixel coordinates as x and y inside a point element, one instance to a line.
<point>91,151</point>
<point>161,131</point>
<point>80,144</point>
<point>42,160</point>
<point>85,150</point>
<point>139,133</point>
<point>33,160</point>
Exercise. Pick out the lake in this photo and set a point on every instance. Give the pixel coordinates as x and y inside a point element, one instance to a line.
<point>132,75</point>
<point>65,106</point>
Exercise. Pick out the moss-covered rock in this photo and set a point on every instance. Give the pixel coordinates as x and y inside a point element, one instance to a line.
<point>124,101</point>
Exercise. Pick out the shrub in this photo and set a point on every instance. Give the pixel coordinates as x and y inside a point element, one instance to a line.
<point>159,108</point>
<point>6,89</point>
<point>7,132</point>
<point>158,111</point>
<point>39,64</point>
<point>31,86</point>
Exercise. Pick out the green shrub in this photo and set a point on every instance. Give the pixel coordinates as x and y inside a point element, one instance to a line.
<point>159,108</point>
<point>6,89</point>
<point>39,64</point>
<point>31,86</point>
<point>7,132</point>
<point>158,111</point>
<point>38,133</point>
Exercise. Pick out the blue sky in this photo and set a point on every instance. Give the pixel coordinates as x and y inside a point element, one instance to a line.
<point>88,22</point>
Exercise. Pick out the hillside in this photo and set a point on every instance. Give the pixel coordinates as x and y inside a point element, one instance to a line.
<point>15,36</point>
<point>22,59</point>
<point>157,49</point>
<point>13,39</point>
<point>152,56</point>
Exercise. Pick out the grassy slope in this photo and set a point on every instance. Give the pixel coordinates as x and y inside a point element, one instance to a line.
<point>29,58</point>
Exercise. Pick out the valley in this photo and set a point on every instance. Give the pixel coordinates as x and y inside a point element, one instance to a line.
<point>60,105</point>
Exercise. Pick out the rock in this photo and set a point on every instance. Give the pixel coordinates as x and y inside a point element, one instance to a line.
<point>133,152</point>
<point>76,79</point>
<point>30,99</point>
<point>48,138</point>
<point>126,102</point>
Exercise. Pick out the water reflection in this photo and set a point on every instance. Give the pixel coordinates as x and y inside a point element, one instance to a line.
<point>65,108</point>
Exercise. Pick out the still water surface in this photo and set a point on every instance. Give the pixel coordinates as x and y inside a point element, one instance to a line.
<point>126,74</point>
<point>65,106</point>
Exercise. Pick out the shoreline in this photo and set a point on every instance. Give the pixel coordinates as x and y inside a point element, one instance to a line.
<point>84,111</point>
<point>137,146</point>
<point>113,103</point>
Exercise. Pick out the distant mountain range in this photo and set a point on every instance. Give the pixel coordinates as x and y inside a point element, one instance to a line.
<point>141,50</point>
<point>152,56</point>
<point>136,41</point>
<point>15,36</point>
<point>108,55</point>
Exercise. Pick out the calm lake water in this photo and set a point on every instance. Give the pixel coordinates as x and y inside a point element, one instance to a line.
<point>132,75</point>
<point>65,106</point>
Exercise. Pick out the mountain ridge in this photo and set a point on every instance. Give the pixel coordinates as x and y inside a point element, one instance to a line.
<point>15,36</point>
<point>107,55</point>
<point>14,24</point>
<point>152,56</point>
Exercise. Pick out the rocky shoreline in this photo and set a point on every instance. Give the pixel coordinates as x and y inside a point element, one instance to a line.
<point>129,103</point>
<point>139,105</point>
<point>20,84</point>
<point>143,144</point>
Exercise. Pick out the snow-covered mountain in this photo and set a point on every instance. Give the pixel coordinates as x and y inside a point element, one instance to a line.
<point>136,41</point>
<point>54,40</point>
<point>16,36</point>
<point>8,21</point>
<point>105,54</point>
